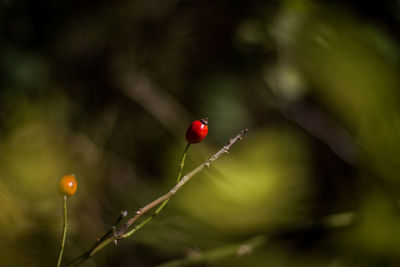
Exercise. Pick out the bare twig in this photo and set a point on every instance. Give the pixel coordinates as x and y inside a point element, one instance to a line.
<point>160,207</point>
<point>238,250</point>
<point>321,126</point>
<point>112,229</point>
<point>123,231</point>
<point>64,231</point>
<point>120,234</point>
<point>157,101</point>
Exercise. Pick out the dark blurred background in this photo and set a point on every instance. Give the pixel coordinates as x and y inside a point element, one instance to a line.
<point>106,89</point>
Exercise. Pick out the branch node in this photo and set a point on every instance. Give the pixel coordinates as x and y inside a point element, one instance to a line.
<point>139,211</point>
<point>116,235</point>
<point>243,133</point>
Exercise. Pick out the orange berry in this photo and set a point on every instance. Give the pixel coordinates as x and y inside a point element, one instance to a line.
<point>68,185</point>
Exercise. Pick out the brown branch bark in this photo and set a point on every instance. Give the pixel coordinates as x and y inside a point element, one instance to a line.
<point>124,232</point>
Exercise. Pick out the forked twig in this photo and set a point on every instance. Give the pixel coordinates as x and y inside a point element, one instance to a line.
<point>123,231</point>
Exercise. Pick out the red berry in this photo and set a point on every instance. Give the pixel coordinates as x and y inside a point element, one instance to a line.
<point>68,185</point>
<point>197,131</point>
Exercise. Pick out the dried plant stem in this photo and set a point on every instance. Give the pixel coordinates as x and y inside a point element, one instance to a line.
<point>235,250</point>
<point>123,231</point>
<point>64,234</point>
<point>158,210</point>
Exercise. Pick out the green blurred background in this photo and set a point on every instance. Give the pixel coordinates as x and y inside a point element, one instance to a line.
<point>106,89</point>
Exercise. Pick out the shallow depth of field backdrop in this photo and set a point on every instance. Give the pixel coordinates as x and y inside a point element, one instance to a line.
<point>106,89</point>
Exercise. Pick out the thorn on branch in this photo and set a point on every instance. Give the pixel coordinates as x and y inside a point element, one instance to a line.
<point>243,133</point>
<point>139,211</point>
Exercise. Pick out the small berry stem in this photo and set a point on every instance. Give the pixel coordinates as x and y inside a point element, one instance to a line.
<point>182,162</point>
<point>64,234</point>
<point>140,225</point>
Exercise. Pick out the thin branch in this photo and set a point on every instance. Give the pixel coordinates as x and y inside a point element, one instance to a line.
<point>122,232</point>
<point>182,164</point>
<point>157,101</point>
<point>238,250</point>
<point>321,126</point>
<point>158,210</point>
<point>64,234</point>
<point>112,229</point>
